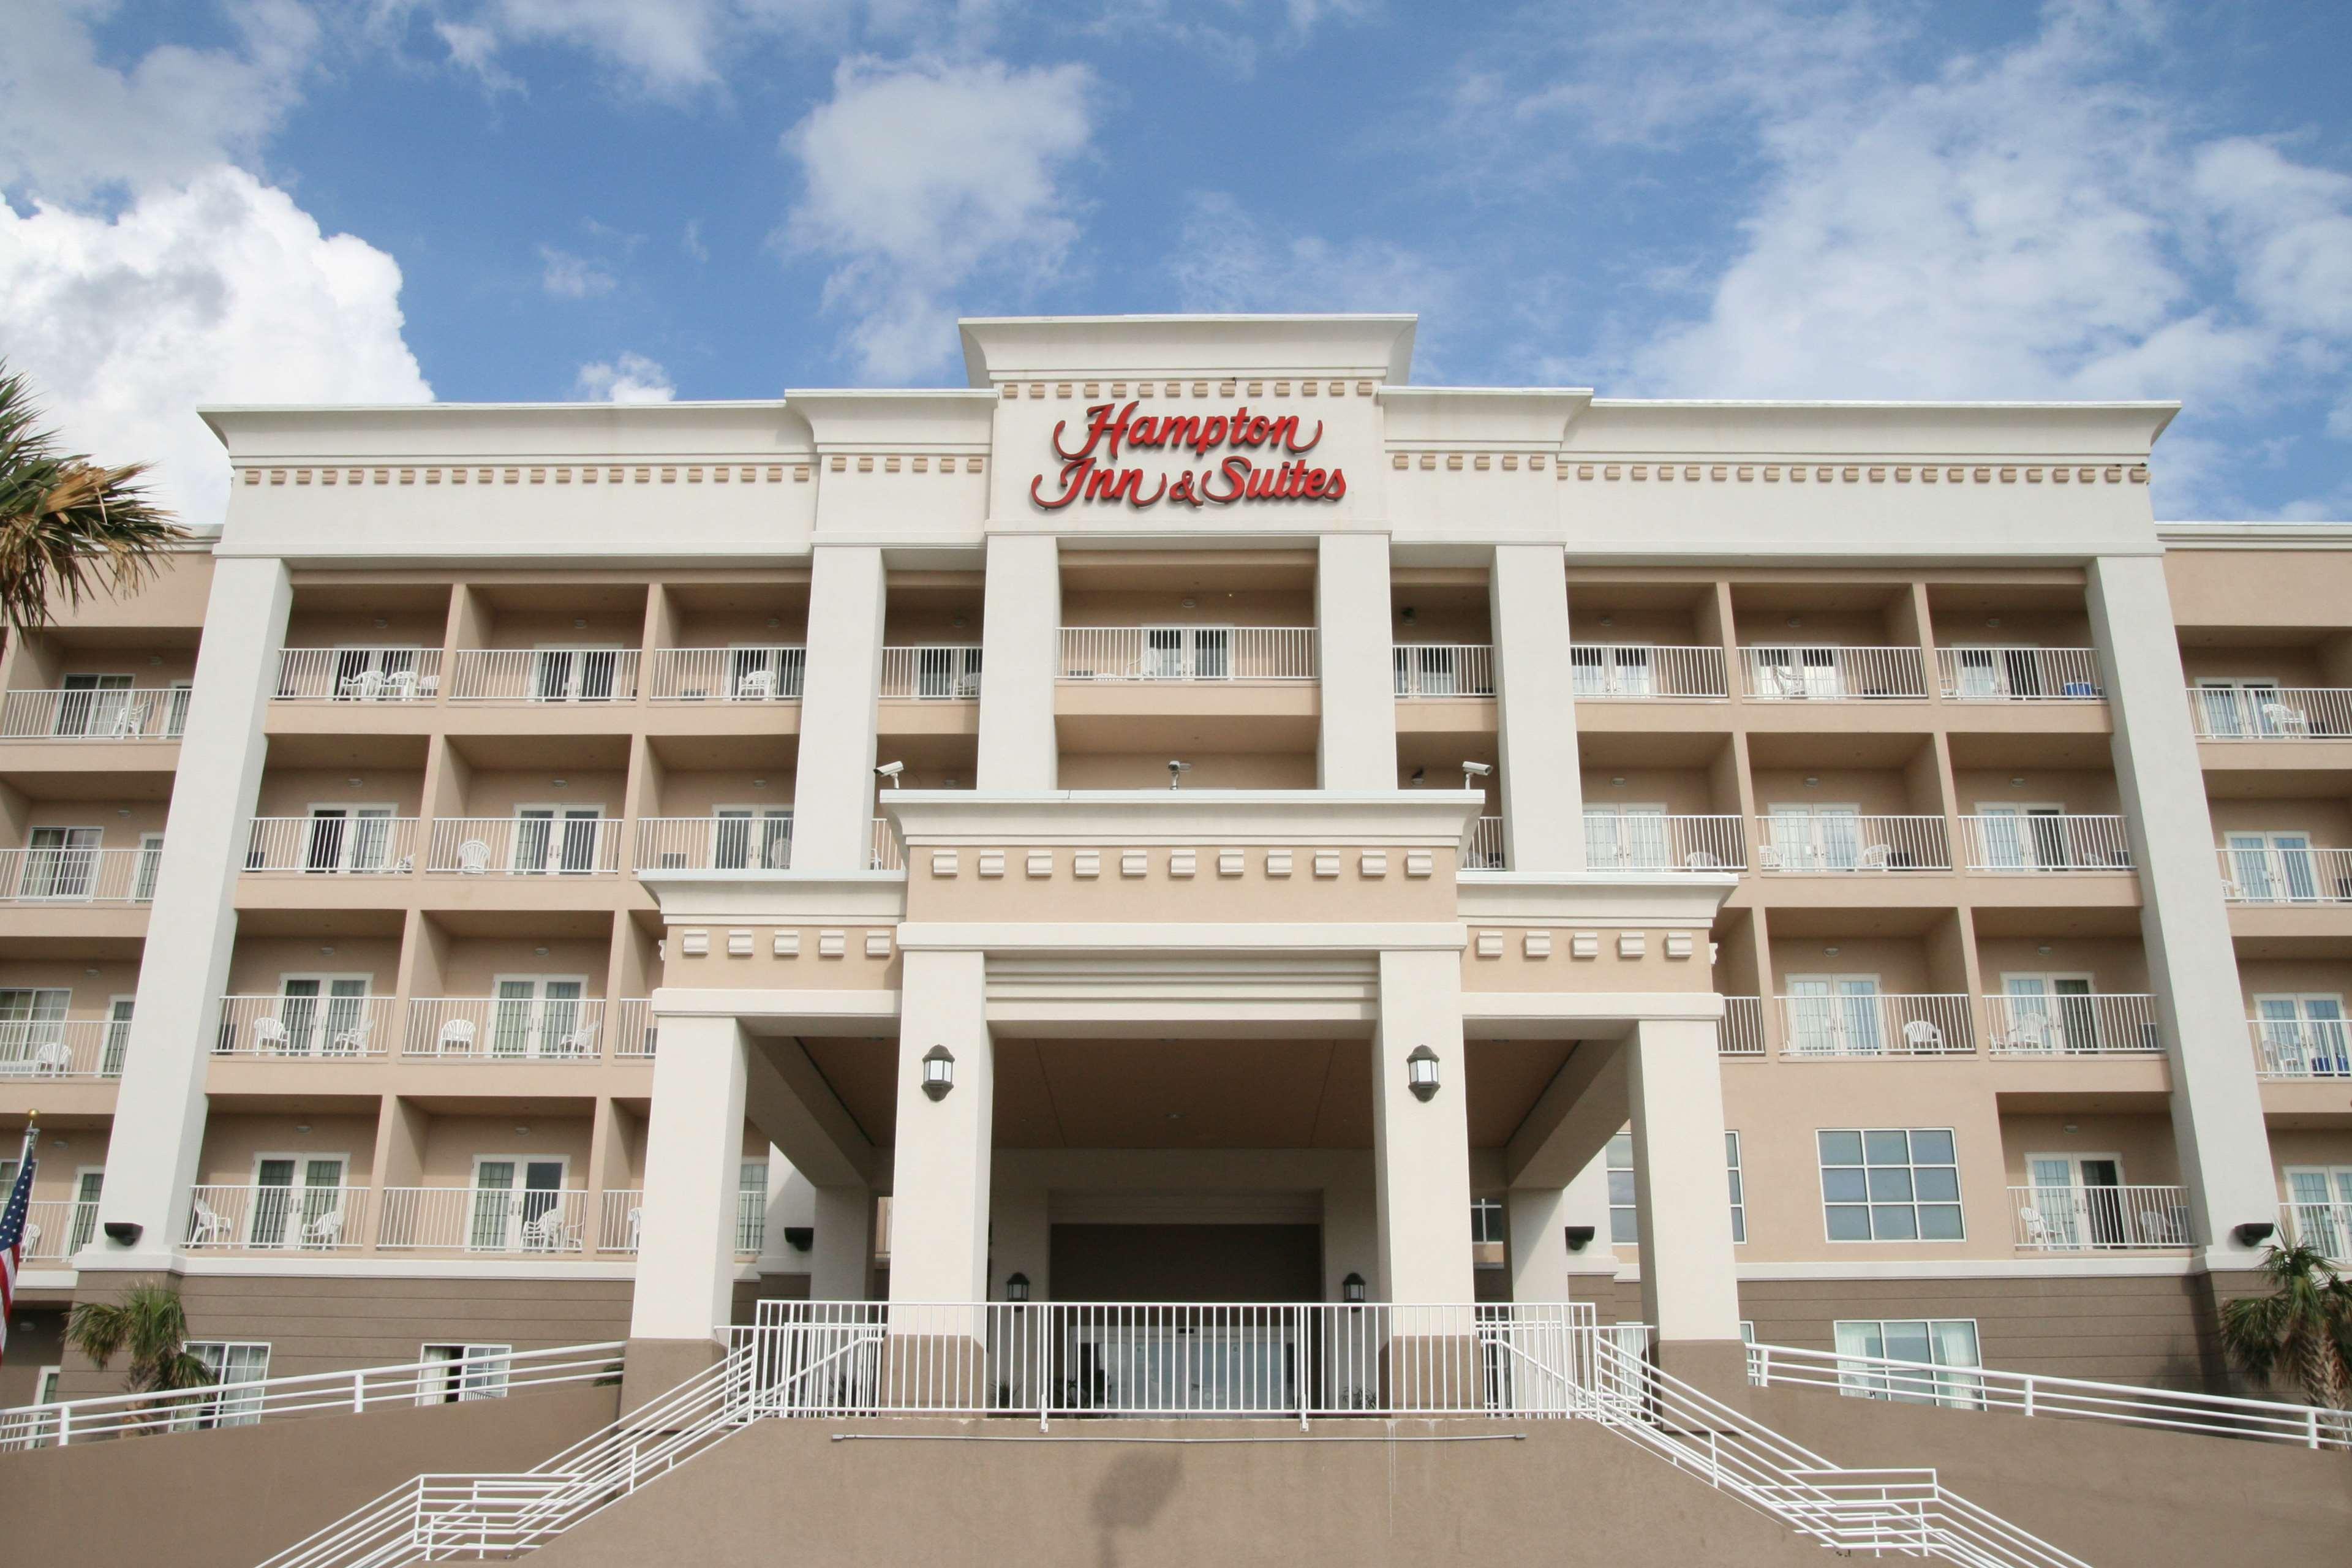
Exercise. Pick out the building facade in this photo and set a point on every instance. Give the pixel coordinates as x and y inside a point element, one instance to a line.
<point>1190,817</point>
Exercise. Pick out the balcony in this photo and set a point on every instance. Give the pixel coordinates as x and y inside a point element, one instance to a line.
<point>2019,674</point>
<point>451,1029</point>
<point>2248,712</point>
<point>940,673</point>
<point>303,1028</point>
<point>774,674</point>
<point>2327,1228</point>
<point>1188,653</point>
<point>633,1030</point>
<point>468,1221</point>
<point>333,846</point>
<point>1742,1034</point>
<point>2302,1047</point>
<point>57,1229</point>
<point>2286,875</point>
<point>1604,672</point>
<point>2072,1026</point>
<point>1820,1025</point>
<point>545,845</point>
<point>744,842</point>
<point>885,854</point>
<point>543,674</point>
<point>622,1222</point>
<point>1427,670</point>
<point>69,876</point>
<point>2098,1219</point>
<point>46,1049</point>
<point>2029,842</point>
<point>1646,841</point>
<point>85,713</point>
<point>1785,674</point>
<point>277,1218</point>
<point>1814,842</point>
<point>357,675</point>
<point>503,1029</point>
<point>1482,846</point>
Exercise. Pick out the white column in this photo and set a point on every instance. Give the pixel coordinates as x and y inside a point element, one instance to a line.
<point>159,1108</point>
<point>1538,1219</point>
<point>2216,1109</point>
<point>939,1206</point>
<point>1535,709</point>
<point>833,790</point>
<point>1421,1149</point>
<point>694,1143</point>
<point>1690,1291</point>
<point>1355,658</point>
<point>1021,635</point>
<point>841,1260</point>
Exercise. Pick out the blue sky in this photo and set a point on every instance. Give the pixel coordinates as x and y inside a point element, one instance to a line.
<point>387,200</point>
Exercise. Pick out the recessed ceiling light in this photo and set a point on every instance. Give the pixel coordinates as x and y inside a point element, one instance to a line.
<point>327,952</point>
<point>1619,781</point>
<point>560,783</point>
<point>523,1132</point>
<point>759,783</point>
<point>2018,780</point>
<point>301,1127</point>
<point>775,621</point>
<point>1993,620</point>
<point>542,953</point>
<point>1811,779</point>
<point>578,622</point>
<point>1830,952</point>
<point>381,623</point>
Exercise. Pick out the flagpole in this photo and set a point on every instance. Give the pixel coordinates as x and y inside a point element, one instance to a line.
<point>32,1136</point>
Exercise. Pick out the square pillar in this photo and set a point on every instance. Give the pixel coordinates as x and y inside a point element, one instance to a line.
<point>1021,660</point>
<point>159,1108</point>
<point>833,790</point>
<point>1690,1289</point>
<point>2192,963</point>
<point>1535,710</point>
<point>1421,1149</point>
<point>1355,660</point>
<point>938,1207</point>
<point>841,1260</point>
<point>686,1242</point>
<point>1537,1224</point>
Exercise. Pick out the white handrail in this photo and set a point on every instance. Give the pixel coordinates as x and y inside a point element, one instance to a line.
<point>938,672</point>
<point>2271,713</point>
<point>279,1027</point>
<point>886,853</point>
<point>2327,1228</point>
<point>1821,841</point>
<point>1609,672</point>
<point>2302,1047</point>
<point>63,1048</point>
<point>1641,841</point>
<point>1188,653</point>
<point>333,846</point>
<point>82,714</point>
<point>2045,843</point>
<point>1742,1034</point>
<point>2099,1219</point>
<point>2286,875</point>
<point>505,1028</point>
<point>1876,1025</point>
<point>524,846</point>
<point>258,1218</point>
<point>79,875</point>
<point>2119,1023</point>
<point>533,1221</point>
<point>1444,669</point>
<point>381,674</point>
<point>770,673</point>
<point>1482,846</point>
<point>543,674</point>
<point>761,843</point>
<point>1796,672</point>
<point>2019,674</point>
<point>633,1028</point>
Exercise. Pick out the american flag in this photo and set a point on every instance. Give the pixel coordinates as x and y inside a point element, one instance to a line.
<point>11,1240</point>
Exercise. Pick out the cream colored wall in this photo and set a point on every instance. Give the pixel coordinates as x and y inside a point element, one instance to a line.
<point>2327,819</point>
<point>453,1142</point>
<point>2289,666</point>
<point>1588,608</point>
<point>2259,587</point>
<point>1161,895</point>
<point>2308,1146</point>
<point>2263,976</point>
<point>122,821</point>
<point>496,792</point>
<point>234,1140</point>
<point>1757,624</point>
<point>94,984</point>
<point>928,623</point>
<point>621,626</point>
<point>2144,1143</point>
<point>260,961</point>
<point>1212,606</point>
<point>2084,792</point>
<point>1682,790</point>
<point>1902,963</point>
<point>806,967</point>
<point>1877,792</point>
<point>2115,963</point>
<point>324,627</point>
<point>473,965</point>
<point>1210,770</point>
<point>69,1147</point>
<point>292,791</point>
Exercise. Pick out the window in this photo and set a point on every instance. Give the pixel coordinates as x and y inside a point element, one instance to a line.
<point>1626,838</point>
<point>751,837</point>
<point>2078,1201</point>
<point>454,1374</point>
<point>540,1015</point>
<point>318,1014</point>
<point>2319,1203</point>
<point>151,862</point>
<point>2027,836</point>
<point>298,1201</point>
<point>2278,867</point>
<point>31,1022</point>
<point>1937,1341</point>
<point>1738,1188</point>
<point>559,839</point>
<point>118,1036</point>
<point>90,1185</point>
<point>535,1216</point>
<point>2302,1037</point>
<point>1834,1015</point>
<point>1485,1221</point>
<point>1816,838</point>
<point>2231,709</point>
<point>751,1206</point>
<point>2053,1013</point>
<point>229,1361</point>
<point>1610,670</point>
<point>1624,1225</point>
<point>1891,1183</point>
<point>44,1386</point>
<point>94,705</point>
<point>348,838</point>
<point>61,863</point>
<point>575,674</point>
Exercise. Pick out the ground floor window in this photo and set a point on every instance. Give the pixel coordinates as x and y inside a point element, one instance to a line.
<point>1935,1342</point>
<point>1625,1227</point>
<point>454,1373</point>
<point>230,1363</point>
<point>1738,1188</point>
<point>1485,1221</point>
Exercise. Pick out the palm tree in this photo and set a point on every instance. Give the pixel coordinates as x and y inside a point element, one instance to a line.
<point>2303,1326</point>
<point>153,1326</point>
<point>68,524</point>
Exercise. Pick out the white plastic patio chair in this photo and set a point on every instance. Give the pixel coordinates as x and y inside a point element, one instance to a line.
<point>1700,861</point>
<point>636,1226</point>
<point>1920,1036</point>
<point>2032,1034</point>
<point>2155,1228</point>
<point>1768,859</point>
<point>32,1240</point>
<point>353,1041</point>
<point>205,1227</point>
<point>128,719</point>
<point>52,1059</point>
<point>473,857</point>
<point>778,855</point>
<point>2037,1229</point>
<point>580,1041</point>
<point>756,684</point>
<point>364,687</point>
<point>2278,719</point>
<point>548,1232</point>
<point>324,1231</point>
<point>455,1039</point>
<point>269,1034</point>
<point>400,686</point>
<point>1877,858</point>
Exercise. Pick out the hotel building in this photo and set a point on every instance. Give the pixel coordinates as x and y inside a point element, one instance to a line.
<point>1189,816</point>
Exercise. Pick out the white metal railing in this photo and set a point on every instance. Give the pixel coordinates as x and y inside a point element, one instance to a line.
<point>402,1386</point>
<point>2099,1023</point>
<point>525,845</point>
<point>2027,1393</point>
<point>63,1048</point>
<point>1876,1026</point>
<point>333,846</point>
<point>768,674</point>
<point>357,675</point>
<point>1786,673</point>
<point>2288,875</point>
<point>505,1028</point>
<point>54,1229</point>
<point>2098,1219</point>
<point>1630,841</point>
<point>634,1028</point>
<point>2271,713</point>
<point>540,1221</point>
<point>1482,846</point>
<point>885,854</point>
<point>1607,672</point>
<point>2302,1047</point>
<point>1742,1034</point>
<point>2045,843</point>
<point>750,1222</point>
<point>714,843</point>
<point>114,714</point>
<point>272,1218</point>
<point>621,1217</point>
<point>1835,841</point>
<point>2019,674</point>
<point>1444,669</point>
<point>543,674</point>
<point>937,673</point>
<point>1188,653</point>
<point>294,1027</point>
<point>2325,1228</point>
<point>79,875</point>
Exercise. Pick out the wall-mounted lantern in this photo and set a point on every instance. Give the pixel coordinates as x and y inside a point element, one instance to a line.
<point>1016,1288</point>
<point>1421,1073</point>
<point>939,1072</point>
<point>1352,1289</point>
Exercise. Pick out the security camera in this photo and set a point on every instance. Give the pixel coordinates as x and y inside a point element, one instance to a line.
<point>1176,771</point>
<point>892,771</point>
<point>1478,770</point>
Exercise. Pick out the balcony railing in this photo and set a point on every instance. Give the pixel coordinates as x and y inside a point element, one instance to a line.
<point>885,854</point>
<point>57,1229</point>
<point>2327,1228</point>
<point>2045,843</point>
<point>63,1048</point>
<point>504,1028</point>
<point>357,675</point>
<point>2302,1047</point>
<point>2098,1219</point>
<point>1482,846</point>
<point>2286,875</point>
<point>714,843</point>
<point>620,1221</point>
<point>525,845</point>
<point>773,674</point>
<point>941,673</point>
<point>537,1221</point>
<point>333,846</point>
<point>1606,672</point>
<point>327,1028</point>
<point>1829,841</point>
<point>121,713</point>
<point>543,674</point>
<point>275,1218</point>
<point>633,1030</point>
<point>79,875</point>
<point>1188,653</point>
<point>1742,1034</point>
<point>2118,1024</point>
<point>1444,669</point>
<point>2271,713</point>
<point>1629,841</point>
<point>1787,673</point>
<point>1876,1026</point>
<point>2019,674</point>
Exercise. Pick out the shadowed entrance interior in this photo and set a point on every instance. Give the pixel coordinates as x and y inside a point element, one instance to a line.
<point>1188,1262</point>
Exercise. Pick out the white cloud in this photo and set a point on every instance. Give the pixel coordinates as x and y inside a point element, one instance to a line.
<point>690,242</point>
<point>1235,33</point>
<point>221,291</point>
<point>570,276</point>
<point>923,178</point>
<point>1228,261</point>
<point>627,378</point>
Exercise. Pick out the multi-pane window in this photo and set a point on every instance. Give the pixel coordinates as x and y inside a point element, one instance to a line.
<point>1936,1341</point>
<point>1738,1188</point>
<point>1486,1220</point>
<point>1623,1226</point>
<point>1890,1184</point>
<point>457,1372</point>
<point>230,1363</point>
<point>751,1206</point>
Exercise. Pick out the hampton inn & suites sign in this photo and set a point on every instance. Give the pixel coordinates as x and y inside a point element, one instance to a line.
<point>1243,456</point>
